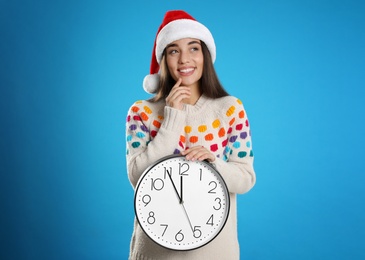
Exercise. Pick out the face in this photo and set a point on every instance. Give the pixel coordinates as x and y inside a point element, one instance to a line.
<point>185,60</point>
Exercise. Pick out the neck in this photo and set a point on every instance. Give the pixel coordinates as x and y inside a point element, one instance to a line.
<point>195,95</point>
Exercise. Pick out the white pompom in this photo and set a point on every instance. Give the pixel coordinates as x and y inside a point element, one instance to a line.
<point>151,83</point>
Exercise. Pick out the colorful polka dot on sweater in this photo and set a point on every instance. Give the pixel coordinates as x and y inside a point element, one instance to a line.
<point>226,134</point>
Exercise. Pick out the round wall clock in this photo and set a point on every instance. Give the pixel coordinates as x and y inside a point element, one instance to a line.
<point>181,204</point>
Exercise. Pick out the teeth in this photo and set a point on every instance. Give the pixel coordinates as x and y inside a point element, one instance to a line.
<point>186,70</point>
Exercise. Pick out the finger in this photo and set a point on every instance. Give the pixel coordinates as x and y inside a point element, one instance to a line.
<point>189,150</point>
<point>193,149</point>
<point>176,99</point>
<point>178,82</point>
<point>198,153</point>
<point>178,91</point>
<point>195,153</point>
<point>205,155</point>
<point>176,96</point>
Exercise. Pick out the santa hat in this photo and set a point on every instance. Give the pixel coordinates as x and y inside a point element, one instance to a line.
<point>176,25</point>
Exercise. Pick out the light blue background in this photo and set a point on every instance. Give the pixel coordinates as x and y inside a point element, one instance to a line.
<point>71,69</point>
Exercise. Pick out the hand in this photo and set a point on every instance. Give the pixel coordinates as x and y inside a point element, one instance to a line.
<point>199,153</point>
<point>177,94</point>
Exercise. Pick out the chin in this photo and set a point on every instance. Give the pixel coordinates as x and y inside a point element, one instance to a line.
<point>188,82</point>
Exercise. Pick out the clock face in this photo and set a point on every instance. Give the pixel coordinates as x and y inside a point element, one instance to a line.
<point>181,204</point>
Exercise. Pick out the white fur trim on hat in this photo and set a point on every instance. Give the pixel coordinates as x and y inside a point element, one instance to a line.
<point>180,29</point>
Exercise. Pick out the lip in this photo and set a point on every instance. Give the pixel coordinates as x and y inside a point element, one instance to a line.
<point>186,71</point>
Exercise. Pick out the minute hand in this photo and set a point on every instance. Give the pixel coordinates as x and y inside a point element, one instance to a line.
<point>182,202</point>
<point>173,184</point>
<point>186,214</point>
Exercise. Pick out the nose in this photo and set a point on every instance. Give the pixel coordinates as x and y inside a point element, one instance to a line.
<point>184,57</point>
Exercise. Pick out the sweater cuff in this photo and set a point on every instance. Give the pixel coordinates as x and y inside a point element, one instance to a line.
<point>174,119</point>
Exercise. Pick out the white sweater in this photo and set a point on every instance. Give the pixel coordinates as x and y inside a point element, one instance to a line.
<point>154,130</point>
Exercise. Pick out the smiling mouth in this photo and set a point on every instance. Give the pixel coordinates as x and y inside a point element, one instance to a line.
<point>186,71</point>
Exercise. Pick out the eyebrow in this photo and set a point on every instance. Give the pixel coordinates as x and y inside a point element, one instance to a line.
<point>175,45</point>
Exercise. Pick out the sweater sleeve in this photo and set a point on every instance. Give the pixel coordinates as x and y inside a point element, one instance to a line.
<point>149,139</point>
<point>236,166</point>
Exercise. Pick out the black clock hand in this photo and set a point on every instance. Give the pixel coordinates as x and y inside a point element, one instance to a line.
<point>181,189</point>
<point>173,184</point>
<point>180,198</point>
<point>182,202</point>
<point>186,214</point>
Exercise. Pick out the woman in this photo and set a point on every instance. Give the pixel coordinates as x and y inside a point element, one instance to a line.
<point>190,114</point>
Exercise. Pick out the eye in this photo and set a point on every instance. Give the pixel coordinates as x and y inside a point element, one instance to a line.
<point>195,49</point>
<point>172,51</point>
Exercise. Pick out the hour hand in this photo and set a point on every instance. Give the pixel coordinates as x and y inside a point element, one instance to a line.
<point>181,190</point>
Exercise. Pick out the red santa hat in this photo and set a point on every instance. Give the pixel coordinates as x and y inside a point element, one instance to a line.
<point>176,25</point>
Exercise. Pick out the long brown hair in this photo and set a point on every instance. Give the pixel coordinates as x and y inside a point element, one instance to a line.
<point>210,85</point>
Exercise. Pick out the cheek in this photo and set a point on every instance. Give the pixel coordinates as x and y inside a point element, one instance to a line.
<point>200,63</point>
<point>200,60</point>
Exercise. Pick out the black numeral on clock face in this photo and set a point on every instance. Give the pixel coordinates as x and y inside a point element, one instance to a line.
<point>151,218</point>
<point>165,228</point>
<point>183,168</point>
<point>179,236</point>
<point>157,184</point>
<point>215,185</point>
<point>219,204</point>
<point>167,171</point>
<point>197,232</point>
<point>210,221</point>
<point>146,199</point>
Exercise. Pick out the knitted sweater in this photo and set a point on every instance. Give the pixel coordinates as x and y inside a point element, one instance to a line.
<point>155,130</point>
